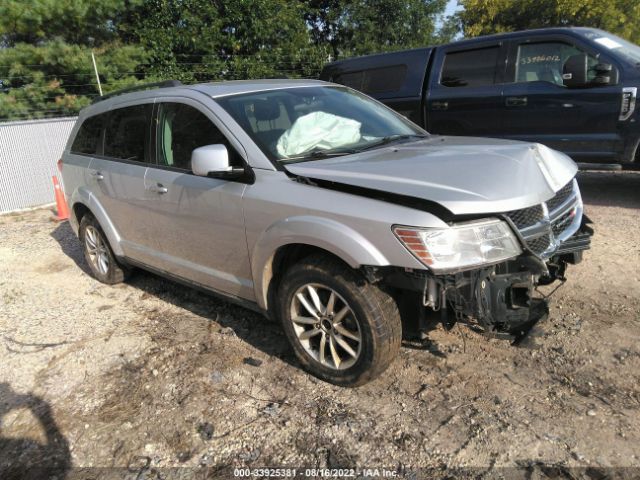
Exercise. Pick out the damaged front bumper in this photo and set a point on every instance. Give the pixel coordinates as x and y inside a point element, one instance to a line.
<point>498,300</point>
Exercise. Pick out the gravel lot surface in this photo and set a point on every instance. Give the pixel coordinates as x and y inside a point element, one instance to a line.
<point>150,375</point>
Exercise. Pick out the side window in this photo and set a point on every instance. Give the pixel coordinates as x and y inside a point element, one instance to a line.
<point>375,80</point>
<point>471,68</point>
<point>544,62</point>
<point>88,138</point>
<point>127,133</point>
<point>182,129</point>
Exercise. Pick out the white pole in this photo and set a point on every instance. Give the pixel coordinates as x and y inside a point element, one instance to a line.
<point>95,69</point>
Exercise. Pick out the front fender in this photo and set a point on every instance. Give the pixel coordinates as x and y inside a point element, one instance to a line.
<point>84,197</point>
<point>330,235</point>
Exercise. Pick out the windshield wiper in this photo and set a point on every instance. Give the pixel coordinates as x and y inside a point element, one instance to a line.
<point>318,155</point>
<point>390,139</point>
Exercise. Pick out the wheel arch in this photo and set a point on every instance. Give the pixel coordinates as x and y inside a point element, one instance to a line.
<point>290,240</point>
<point>83,202</point>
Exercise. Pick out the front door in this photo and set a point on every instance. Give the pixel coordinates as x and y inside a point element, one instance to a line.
<point>582,122</point>
<point>197,221</point>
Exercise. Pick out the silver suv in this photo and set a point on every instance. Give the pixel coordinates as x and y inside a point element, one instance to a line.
<point>323,209</point>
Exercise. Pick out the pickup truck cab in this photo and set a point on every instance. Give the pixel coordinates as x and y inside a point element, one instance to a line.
<point>572,89</point>
<point>324,209</point>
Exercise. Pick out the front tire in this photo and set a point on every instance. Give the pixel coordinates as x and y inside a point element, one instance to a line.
<point>343,329</point>
<point>98,254</point>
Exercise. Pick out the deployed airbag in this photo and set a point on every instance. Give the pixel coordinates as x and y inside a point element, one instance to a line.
<point>318,130</point>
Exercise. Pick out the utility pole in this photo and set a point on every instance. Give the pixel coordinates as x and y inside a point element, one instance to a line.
<point>95,69</point>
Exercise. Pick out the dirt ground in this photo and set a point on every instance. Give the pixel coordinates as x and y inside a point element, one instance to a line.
<point>150,375</point>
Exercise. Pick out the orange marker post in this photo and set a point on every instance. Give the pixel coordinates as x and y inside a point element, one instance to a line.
<point>62,211</point>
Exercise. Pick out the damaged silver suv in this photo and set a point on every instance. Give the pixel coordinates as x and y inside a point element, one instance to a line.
<point>324,209</point>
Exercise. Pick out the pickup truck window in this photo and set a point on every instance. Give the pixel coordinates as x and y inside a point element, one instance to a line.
<point>544,62</point>
<point>470,68</point>
<point>614,44</point>
<point>374,80</point>
<point>302,121</point>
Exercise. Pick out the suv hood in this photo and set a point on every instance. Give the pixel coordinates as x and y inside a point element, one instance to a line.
<point>463,174</point>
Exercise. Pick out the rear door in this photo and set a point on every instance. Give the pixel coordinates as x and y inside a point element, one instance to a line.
<point>196,223</point>
<point>116,173</point>
<point>465,90</point>
<point>581,122</point>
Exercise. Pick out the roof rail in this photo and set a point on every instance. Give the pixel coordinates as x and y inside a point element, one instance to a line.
<point>145,86</point>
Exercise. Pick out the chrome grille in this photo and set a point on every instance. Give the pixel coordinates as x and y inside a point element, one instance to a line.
<point>539,245</point>
<point>544,226</point>
<point>562,222</point>
<point>527,216</point>
<point>560,197</point>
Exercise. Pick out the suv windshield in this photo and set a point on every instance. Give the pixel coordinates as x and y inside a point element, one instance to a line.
<point>307,123</point>
<point>618,46</point>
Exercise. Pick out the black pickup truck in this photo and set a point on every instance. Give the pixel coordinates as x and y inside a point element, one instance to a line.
<point>572,89</point>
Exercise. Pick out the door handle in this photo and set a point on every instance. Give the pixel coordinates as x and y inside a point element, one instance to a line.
<point>159,188</point>
<point>516,101</point>
<point>97,175</point>
<point>439,105</point>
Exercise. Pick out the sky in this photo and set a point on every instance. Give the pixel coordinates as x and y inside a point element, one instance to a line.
<point>452,6</point>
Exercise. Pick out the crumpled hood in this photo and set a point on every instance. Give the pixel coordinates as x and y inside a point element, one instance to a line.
<point>463,174</point>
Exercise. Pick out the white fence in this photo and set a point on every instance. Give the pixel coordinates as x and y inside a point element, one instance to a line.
<point>28,154</point>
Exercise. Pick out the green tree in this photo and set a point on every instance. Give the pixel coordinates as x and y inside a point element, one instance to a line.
<point>358,27</point>
<point>45,59</point>
<point>480,17</point>
<point>198,40</point>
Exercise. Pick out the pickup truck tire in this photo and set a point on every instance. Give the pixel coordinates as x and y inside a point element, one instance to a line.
<point>374,331</point>
<point>98,254</point>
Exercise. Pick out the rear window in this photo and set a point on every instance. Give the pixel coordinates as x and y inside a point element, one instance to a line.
<point>127,133</point>
<point>471,68</point>
<point>375,80</point>
<point>88,137</point>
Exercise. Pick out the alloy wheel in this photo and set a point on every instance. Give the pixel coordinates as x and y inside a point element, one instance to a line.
<point>96,249</point>
<point>326,326</point>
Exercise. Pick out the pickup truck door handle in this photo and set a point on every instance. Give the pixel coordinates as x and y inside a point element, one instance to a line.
<point>97,175</point>
<point>439,105</point>
<point>516,101</point>
<point>158,188</point>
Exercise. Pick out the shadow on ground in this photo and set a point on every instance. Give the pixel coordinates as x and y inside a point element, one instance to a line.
<point>607,189</point>
<point>25,458</point>
<point>249,326</point>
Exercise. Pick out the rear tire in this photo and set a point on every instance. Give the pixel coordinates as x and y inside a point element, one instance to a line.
<point>98,254</point>
<point>343,329</point>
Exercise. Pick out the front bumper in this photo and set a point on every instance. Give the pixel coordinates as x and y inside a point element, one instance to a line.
<point>497,300</point>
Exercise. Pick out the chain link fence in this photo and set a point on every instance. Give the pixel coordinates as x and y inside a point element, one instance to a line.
<point>29,151</point>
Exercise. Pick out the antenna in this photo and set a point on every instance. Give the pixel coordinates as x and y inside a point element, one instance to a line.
<point>95,69</point>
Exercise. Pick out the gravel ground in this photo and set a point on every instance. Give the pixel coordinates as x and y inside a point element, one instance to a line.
<point>150,375</point>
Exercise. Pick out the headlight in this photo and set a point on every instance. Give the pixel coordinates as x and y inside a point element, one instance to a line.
<point>462,245</point>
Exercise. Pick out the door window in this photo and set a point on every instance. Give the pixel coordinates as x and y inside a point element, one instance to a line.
<point>470,68</point>
<point>89,135</point>
<point>544,62</point>
<point>182,129</point>
<point>127,133</point>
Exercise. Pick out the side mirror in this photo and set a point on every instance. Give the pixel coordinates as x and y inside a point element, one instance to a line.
<point>603,67</point>
<point>574,71</point>
<point>606,74</point>
<point>213,161</point>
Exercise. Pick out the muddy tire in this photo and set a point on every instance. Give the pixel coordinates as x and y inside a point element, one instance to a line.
<point>98,254</point>
<point>343,329</point>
